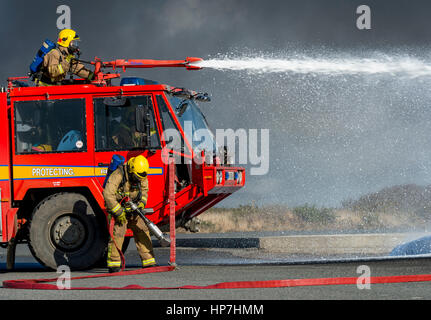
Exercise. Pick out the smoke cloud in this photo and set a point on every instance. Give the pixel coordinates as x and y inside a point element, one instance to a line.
<point>332,137</point>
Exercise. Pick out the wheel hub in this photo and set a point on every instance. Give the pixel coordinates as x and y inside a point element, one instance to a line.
<point>68,233</point>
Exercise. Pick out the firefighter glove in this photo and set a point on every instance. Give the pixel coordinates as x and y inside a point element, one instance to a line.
<point>121,218</point>
<point>70,57</point>
<point>141,205</point>
<point>127,208</point>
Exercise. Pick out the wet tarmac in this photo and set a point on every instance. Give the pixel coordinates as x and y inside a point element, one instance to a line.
<point>204,266</point>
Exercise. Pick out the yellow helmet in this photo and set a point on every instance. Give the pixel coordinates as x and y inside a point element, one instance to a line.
<point>138,166</point>
<point>66,36</point>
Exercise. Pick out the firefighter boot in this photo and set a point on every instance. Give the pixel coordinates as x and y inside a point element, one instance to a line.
<point>114,269</point>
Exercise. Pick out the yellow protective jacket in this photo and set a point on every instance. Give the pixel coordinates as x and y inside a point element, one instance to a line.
<point>119,186</point>
<point>55,66</point>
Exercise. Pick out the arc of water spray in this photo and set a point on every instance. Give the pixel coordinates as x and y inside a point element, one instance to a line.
<point>408,66</point>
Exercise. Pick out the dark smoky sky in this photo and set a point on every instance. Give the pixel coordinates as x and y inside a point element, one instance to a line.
<point>331,138</point>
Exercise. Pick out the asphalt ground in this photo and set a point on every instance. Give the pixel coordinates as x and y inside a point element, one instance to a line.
<point>205,266</point>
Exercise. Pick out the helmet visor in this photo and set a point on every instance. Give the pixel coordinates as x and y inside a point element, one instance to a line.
<point>74,45</point>
<point>140,176</point>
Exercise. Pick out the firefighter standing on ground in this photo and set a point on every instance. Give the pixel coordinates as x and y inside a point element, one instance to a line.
<point>61,60</point>
<point>128,181</point>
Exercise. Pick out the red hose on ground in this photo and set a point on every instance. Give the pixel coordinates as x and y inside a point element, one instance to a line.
<point>40,284</point>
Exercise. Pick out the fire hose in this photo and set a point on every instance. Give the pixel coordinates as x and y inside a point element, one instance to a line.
<point>164,242</point>
<point>43,284</point>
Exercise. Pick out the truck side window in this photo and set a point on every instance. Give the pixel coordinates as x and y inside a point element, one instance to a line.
<point>171,134</point>
<point>50,126</point>
<point>116,124</point>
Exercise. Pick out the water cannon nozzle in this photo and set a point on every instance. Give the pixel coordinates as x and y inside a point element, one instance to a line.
<point>193,63</point>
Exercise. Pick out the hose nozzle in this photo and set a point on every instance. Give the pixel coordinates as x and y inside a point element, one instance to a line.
<point>164,242</point>
<point>193,63</point>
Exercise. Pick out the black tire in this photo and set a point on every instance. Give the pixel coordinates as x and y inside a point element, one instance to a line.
<point>65,230</point>
<point>10,256</point>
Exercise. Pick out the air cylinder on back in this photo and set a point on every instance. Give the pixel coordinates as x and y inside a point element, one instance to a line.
<point>116,161</point>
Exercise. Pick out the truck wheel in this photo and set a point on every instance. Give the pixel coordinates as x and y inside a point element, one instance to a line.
<point>65,230</point>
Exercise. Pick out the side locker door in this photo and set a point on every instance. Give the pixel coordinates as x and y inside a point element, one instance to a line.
<point>116,133</point>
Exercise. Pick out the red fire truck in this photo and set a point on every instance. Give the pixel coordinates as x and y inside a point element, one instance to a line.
<point>57,142</point>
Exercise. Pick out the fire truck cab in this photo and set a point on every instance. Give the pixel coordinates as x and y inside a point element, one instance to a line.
<point>57,142</point>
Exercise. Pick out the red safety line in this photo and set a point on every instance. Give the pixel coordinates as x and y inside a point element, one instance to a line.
<point>172,226</point>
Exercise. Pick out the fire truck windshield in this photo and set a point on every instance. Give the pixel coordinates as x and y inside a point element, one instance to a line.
<point>194,124</point>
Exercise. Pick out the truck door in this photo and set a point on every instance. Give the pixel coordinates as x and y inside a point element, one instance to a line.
<point>4,165</point>
<point>127,126</point>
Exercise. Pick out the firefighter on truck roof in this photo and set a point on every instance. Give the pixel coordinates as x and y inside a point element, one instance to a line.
<point>60,61</point>
<point>128,181</point>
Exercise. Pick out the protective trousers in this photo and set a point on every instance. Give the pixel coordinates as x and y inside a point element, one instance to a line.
<point>142,238</point>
